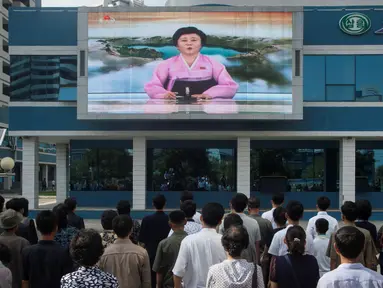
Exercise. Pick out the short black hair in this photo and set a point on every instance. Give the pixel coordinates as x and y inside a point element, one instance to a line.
<point>86,247</point>
<point>5,254</point>
<point>278,199</point>
<point>14,204</point>
<point>123,207</point>
<point>349,241</point>
<point>25,205</point>
<point>2,201</point>
<point>349,211</point>
<point>189,208</point>
<point>107,219</point>
<point>239,202</point>
<point>61,214</point>
<point>364,209</point>
<point>212,214</point>
<point>159,201</point>
<point>296,240</point>
<point>122,225</point>
<point>177,217</point>
<point>70,203</point>
<point>46,222</point>
<point>321,226</point>
<point>189,30</point>
<point>186,195</point>
<point>294,210</point>
<point>232,219</point>
<point>279,215</point>
<point>323,203</point>
<point>234,240</point>
<point>254,203</point>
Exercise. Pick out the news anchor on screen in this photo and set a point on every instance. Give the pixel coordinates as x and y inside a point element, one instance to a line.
<point>191,72</point>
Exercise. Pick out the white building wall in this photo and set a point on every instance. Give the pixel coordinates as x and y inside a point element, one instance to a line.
<point>243,165</point>
<point>347,170</point>
<point>139,173</point>
<point>30,171</point>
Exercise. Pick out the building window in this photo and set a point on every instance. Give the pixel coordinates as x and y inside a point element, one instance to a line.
<point>369,170</point>
<point>194,169</point>
<point>287,170</point>
<point>101,169</point>
<point>42,78</point>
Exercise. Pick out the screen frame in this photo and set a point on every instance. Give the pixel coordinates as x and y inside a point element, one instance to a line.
<point>297,81</point>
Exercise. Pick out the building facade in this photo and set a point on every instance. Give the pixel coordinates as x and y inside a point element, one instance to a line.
<point>335,149</point>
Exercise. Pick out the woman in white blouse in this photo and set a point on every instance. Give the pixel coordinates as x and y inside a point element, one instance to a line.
<point>235,271</point>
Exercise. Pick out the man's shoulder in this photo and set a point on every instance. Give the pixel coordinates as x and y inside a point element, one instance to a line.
<point>366,233</point>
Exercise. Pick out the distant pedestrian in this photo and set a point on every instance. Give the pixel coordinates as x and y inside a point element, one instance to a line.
<point>124,259</point>
<point>73,219</point>
<point>320,245</point>
<point>86,250</point>
<point>53,185</point>
<point>123,208</point>
<point>44,185</point>
<point>65,233</point>
<point>168,249</point>
<point>349,244</point>
<point>276,201</point>
<point>108,236</point>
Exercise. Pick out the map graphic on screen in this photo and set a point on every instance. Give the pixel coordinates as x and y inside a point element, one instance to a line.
<point>190,62</point>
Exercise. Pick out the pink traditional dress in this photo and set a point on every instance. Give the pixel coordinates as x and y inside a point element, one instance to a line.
<point>205,76</point>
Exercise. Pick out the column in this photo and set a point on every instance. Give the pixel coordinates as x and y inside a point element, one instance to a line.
<point>30,171</point>
<point>139,173</point>
<point>61,172</point>
<point>347,170</point>
<point>243,165</point>
<point>7,182</point>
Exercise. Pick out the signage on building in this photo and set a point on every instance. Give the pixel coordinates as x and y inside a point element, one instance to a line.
<point>355,24</point>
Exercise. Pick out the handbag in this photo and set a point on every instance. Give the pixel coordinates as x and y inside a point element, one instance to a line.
<point>297,284</point>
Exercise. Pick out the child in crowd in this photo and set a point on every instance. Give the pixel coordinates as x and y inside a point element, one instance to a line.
<point>320,245</point>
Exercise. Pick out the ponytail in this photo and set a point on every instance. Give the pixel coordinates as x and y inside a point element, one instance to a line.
<point>296,240</point>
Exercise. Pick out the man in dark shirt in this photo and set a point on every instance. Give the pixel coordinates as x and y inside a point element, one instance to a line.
<point>123,208</point>
<point>154,228</point>
<point>364,209</point>
<point>264,225</point>
<point>73,219</point>
<point>46,262</point>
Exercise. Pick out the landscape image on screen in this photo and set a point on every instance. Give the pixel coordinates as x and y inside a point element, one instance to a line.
<point>190,62</point>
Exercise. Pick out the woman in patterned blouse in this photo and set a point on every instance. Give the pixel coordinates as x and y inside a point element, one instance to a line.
<point>64,233</point>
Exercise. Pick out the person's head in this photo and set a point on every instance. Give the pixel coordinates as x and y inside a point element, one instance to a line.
<point>321,226</point>
<point>71,204</point>
<point>2,201</point>
<point>159,202</point>
<point>254,204</point>
<point>25,205</point>
<point>212,214</point>
<point>107,219</point>
<point>122,225</point>
<point>294,211</point>
<point>323,203</point>
<point>186,195</point>
<point>234,240</point>
<point>86,248</point>
<point>239,202</point>
<point>46,222</point>
<point>349,211</point>
<point>189,208</point>
<point>349,242</point>
<point>279,215</point>
<point>5,254</point>
<point>61,214</point>
<point>277,200</point>
<point>296,240</point>
<point>189,40</point>
<point>177,220</point>
<point>232,219</point>
<point>15,204</point>
<point>123,207</point>
<point>364,209</point>
<point>10,220</point>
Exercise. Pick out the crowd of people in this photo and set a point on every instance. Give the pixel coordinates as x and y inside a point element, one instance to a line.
<point>187,249</point>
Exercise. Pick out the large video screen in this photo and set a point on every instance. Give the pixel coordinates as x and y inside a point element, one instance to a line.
<point>190,62</point>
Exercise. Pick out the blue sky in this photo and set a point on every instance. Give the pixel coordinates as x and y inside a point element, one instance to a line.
<point>76,3</point>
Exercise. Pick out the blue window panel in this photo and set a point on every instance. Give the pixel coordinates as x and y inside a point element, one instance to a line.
<point>369,78</point>
<point>314,82</point>
<point>340,70</point>
<point>340,93</point>
<point>4,114</point>
<point>68,94</point>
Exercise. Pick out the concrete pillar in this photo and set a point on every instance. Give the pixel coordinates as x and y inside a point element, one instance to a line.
<point>139,173</point>
<point>243,165</point>
<point>7,182</point>
<point>347,170</point>
<point>30,171</point>
<point>61,172</point>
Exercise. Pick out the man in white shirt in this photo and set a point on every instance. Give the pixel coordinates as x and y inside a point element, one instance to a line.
<point>185,196</point>
<point>349,243</point>
<point>276,201</point>
<point>323,203</point>
<point>294,212</point>
<point>189,208</point>
<point>200,251</point>
<point>238,204</point>
<point>320,246</point>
